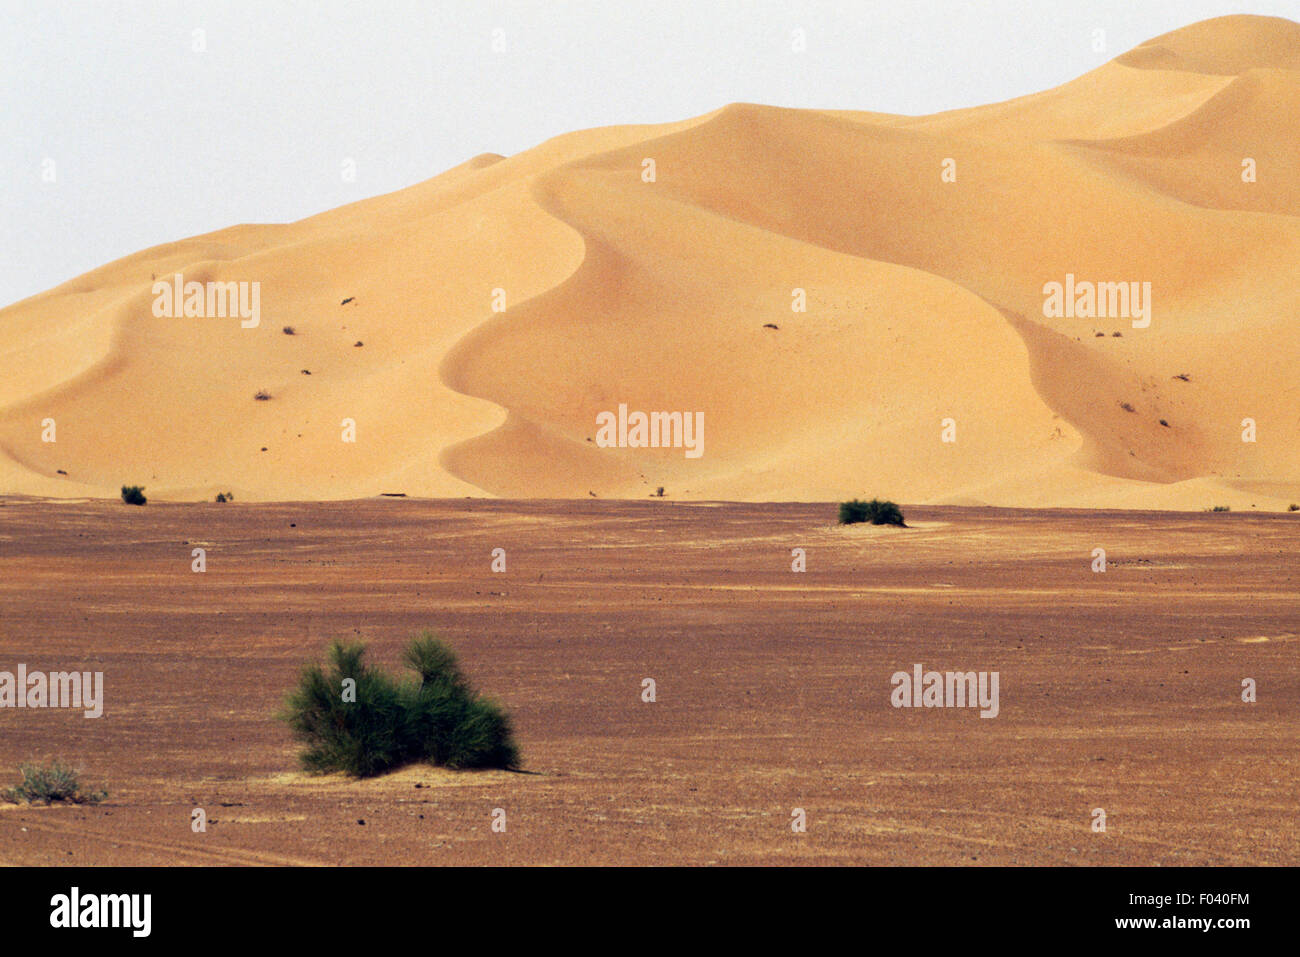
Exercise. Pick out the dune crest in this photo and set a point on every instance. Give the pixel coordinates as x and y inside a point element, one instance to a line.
<point>854,302</point>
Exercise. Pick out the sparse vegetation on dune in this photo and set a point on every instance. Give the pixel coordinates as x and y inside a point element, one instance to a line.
<point>45,784</point>
<point>876,512</point>
<point>133,495</point>
<point>361,720</point>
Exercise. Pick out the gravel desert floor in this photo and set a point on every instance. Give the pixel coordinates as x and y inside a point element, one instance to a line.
<point>1120,691</point>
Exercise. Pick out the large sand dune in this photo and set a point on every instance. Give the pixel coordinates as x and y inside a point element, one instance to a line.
<point>925,302</point>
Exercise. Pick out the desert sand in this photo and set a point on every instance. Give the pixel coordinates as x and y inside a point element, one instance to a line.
<point>1118,690</point>
<point>924,303</point>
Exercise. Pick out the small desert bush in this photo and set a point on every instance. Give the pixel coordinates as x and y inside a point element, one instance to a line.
<point>45,784</point>
<point>876,512</point>
<point>1221,508</point>
<point>225,496</point>
<point>262,395</point>
<point>133,494</point>
<point>388,722</point>
<point>1293,507</point>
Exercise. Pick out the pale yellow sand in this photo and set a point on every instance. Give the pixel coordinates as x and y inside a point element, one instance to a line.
<point>924,303</point>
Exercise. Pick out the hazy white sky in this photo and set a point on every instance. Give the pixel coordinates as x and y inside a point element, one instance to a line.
<point>150,140</point>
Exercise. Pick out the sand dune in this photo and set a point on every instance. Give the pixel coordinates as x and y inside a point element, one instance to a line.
<point>925,303</point>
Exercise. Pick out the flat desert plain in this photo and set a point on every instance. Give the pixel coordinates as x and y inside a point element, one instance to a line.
<point>1119,690</point>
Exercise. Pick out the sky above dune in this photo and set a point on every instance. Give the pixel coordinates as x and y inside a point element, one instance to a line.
<point>126,128</point>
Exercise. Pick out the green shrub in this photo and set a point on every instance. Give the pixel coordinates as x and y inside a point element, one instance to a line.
<point>876,512</point>
<point>44,785</point>
<point>133,494</point>
<point>1221,508</point>
<point>437,718</point>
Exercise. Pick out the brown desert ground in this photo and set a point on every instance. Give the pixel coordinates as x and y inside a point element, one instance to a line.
<point>1119,690</point>
<point>473,326</point>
